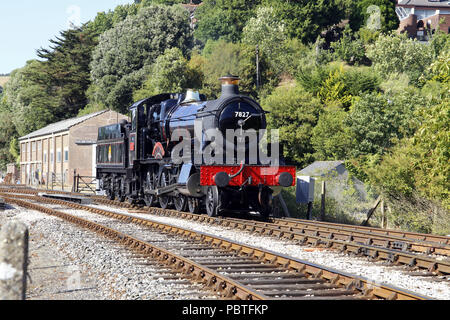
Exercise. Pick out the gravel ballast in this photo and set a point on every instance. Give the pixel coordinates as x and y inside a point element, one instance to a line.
<point>71,263</point>
<point>116,277</point>
<point>393,275</point>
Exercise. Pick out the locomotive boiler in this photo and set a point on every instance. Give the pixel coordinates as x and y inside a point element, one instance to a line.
<point>183,151</point>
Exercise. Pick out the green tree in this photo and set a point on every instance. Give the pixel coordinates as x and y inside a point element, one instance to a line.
<point>170,73</point>
<point>377,121</point>
<point>65,70</point>
<point>336,83</point>
<point>374,15</point>
<point>267,32</point>
<point>31,104</point>
<point>305,19</point>
<point>224,19</point>
<point>432,146</point>
<point>7,134</point>
<point>439,70</point>
<point>397,54</point>
<point>331,138</point>
<point>125,53</point>
<point>105,21</point>
<point>413,176</point>
<point>349,48</point>
<point>295,113</point>
<point>222,58</point>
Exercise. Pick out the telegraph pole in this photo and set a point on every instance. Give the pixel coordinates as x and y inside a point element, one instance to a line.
<point>257,68</point>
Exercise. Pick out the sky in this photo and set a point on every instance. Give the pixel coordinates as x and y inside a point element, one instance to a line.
<point>27,25</point>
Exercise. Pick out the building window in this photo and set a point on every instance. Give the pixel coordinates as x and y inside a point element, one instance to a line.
<point>52,157</point>
<point>58,156</point>
<point>45,157</point>
<point>423,14</point>
<point>39,145</point>
<point>66,154</point>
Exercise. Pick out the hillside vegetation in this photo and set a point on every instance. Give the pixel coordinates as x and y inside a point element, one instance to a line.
<point>356,92</point>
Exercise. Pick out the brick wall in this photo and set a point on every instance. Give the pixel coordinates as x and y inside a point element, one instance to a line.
<point>81,156</point>
<point>409,24</point>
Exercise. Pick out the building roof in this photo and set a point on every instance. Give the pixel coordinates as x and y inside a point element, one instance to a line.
<point>61,126</point>
<point>425,3</point>
<point>322,168</point>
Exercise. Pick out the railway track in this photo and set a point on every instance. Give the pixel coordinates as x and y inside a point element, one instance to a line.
<point>398,248</point>
<point>414,254</point>
<point>234,270</point>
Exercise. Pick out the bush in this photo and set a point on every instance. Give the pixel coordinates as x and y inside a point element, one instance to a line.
<point>222,58</point>
<point>398,54</point>
<point>331,138</point>
<point>350,48</point>
<point>334,83</point>
<point>295,113</point>
<point>377,121</point>
<point>414,176</point>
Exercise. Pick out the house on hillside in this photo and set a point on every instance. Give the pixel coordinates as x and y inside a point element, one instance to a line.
<point>419,18</point>
<point>54,152</point>
<point>192,6</point>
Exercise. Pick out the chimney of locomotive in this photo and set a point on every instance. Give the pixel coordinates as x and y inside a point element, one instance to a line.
<point>230,85</point>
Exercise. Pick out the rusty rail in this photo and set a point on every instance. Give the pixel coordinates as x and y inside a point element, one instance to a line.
<point>341,284</point>
<point>394,249</point>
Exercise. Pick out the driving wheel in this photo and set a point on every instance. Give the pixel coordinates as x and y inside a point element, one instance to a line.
<point>212,201</point>
<point>180,202</point>
<point>164,200</point>
<point>193,205</point>
<point>149,198</point>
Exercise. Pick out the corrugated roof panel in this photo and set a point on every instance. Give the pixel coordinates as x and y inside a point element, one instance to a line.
<point>61,126</point>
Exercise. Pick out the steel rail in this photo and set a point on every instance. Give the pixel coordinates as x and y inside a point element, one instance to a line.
<point>395,234</point>
<point>364,286</point>
<point>222,283</point>
<point>343,237</point>
<point>345,243</point>
<point>379,237</point>
<point>314,238</point>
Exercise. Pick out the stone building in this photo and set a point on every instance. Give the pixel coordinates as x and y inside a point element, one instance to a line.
<point>419,18</point>
<point>51,154</point>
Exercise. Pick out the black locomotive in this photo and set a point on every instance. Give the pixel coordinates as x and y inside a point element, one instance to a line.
<point>135,160</point>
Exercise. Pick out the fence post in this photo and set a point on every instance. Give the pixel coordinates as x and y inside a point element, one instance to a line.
<point>309,212</point>
<point>283,205</point>
<point>383,216</point>
<point>322,205</point>
<point>74,179</point>
<point>371,211</point>
<point>13,261</point>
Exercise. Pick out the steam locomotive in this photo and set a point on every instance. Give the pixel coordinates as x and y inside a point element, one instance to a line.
<point>173,154</point>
